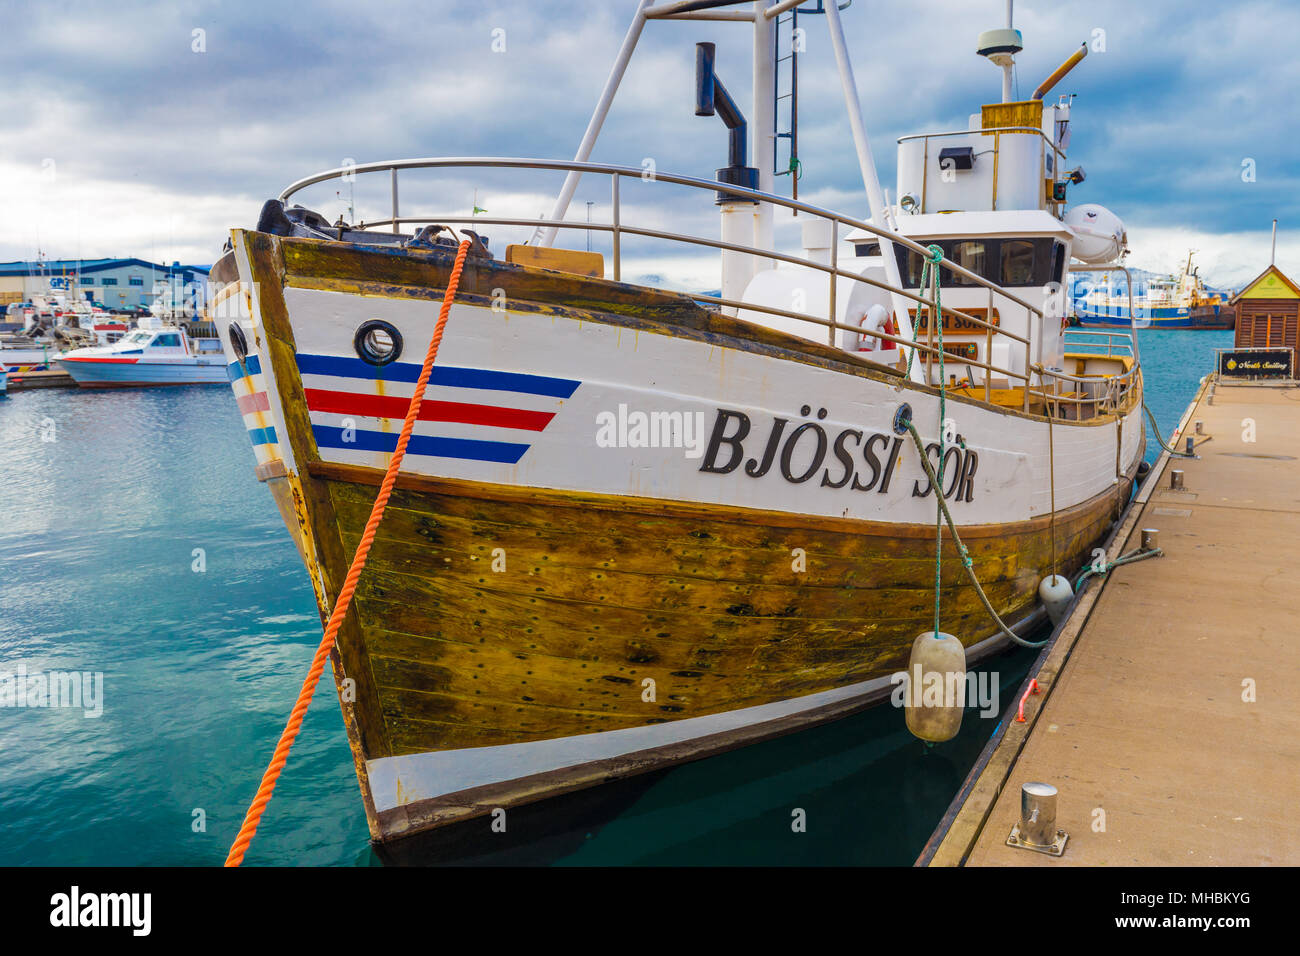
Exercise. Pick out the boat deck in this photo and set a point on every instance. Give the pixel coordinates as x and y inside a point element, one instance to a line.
<point>1141,723</point>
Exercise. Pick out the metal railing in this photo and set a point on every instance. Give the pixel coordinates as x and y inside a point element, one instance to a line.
<point>617,229</point>
<point>1114,340</point>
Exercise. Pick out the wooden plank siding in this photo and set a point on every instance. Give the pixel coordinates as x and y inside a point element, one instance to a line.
<point>600,593</point>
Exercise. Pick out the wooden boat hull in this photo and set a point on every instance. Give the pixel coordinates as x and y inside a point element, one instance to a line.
<point>527,626</point>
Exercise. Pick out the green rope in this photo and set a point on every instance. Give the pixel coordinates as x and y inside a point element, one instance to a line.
<point>930,277</point>
<point>931,267</point>
<point>961,548</point>
<point>968,564</point>
<point>1156,428</point>
<point>1135,555</point>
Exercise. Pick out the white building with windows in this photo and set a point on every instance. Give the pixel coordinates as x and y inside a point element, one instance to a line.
<point>110,283</point>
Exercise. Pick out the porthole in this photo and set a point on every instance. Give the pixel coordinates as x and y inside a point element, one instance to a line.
<point>238,344</point>
<point>377,342</point>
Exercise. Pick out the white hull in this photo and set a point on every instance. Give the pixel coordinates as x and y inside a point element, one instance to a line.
<point>28,359</point>
<point>614,373</point>
<point>196,371</point>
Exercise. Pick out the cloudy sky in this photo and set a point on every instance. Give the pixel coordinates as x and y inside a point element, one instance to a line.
<point>151,129</point>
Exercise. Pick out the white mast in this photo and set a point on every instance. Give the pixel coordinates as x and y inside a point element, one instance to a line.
<point>1008,63</point>
<point>867,164</point>
<point>546,236</point>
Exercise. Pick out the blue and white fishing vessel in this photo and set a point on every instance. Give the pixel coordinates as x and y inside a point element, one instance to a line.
<point>1165,302</point>
<point>154,354</point>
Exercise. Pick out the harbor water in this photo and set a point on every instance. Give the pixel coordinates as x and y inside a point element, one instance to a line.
<point>136,544</point>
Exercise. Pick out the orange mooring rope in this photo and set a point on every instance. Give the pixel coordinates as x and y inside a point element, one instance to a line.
<point>281,755</point>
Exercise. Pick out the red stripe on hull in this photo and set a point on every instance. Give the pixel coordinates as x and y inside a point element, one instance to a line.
<point>254,402</point>
<point>394,406</point>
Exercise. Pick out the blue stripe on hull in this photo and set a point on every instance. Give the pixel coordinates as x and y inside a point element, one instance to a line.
<point>251,365</point>
<point>446,375</point>
<point>432,446</point>
<point>1122,322</point>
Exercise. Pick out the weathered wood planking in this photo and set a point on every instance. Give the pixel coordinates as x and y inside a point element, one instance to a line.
<point>596,599</point>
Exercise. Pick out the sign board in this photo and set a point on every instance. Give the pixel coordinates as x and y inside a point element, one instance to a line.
<point>954,323</point>
<point>1256,363</point>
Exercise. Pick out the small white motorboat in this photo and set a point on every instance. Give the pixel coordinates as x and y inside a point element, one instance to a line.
<point>154,354</point>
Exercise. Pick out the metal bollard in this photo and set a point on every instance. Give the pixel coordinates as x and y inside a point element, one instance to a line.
<point>1191,444</point>
<point>1036,829</point>
<point>1150,539</point>
<point>1176,480</point>
<point>1200,427</point>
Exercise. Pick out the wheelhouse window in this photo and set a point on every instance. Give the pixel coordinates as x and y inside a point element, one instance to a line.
<point>1017,262</point>
<point>1005,262</point>
<point>167,340</point>
<point>910,265</point>
<point>969,254</point>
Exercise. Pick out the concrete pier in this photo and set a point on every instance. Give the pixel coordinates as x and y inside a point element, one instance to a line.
<point>1168,716</point>
<point>54,378</point>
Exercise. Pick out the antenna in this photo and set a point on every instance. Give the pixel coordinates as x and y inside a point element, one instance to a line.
<point>1000,48</point>
<point>1272,256</point>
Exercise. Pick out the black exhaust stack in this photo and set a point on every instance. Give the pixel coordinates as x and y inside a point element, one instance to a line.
<point>712,97</point>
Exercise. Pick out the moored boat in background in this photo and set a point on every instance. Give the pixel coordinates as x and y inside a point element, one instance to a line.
<point>153,354</point>
<point>1164,302</point>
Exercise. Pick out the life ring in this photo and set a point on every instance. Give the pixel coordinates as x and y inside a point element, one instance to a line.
<point>876,319</point>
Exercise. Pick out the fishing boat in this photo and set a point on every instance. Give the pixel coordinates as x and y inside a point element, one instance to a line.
<point>155,353</point>
<point>634,526</point>
<point>1166,302</point>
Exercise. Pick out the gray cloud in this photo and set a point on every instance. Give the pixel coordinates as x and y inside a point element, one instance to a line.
<point>182,145</point>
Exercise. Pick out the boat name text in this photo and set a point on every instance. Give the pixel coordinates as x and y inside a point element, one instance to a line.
<point>835,458</point>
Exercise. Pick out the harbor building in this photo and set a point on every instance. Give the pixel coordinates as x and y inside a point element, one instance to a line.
<point>110,283</point>
<point>1268,313</point>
